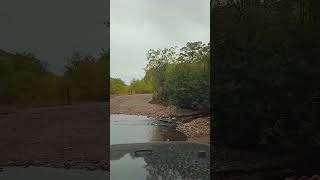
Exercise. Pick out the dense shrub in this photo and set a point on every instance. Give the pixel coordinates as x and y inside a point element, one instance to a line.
<point>26,81</point>
<point>118,87</point>
<point>181,78</point>
<point>87,77</point>
<point>140,86</point>
<point>266,73</point>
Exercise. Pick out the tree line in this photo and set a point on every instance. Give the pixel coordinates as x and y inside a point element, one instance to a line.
<point>25,80</point>
<point>266,73</point>
<point>179,77</point>
<point>137,86</point>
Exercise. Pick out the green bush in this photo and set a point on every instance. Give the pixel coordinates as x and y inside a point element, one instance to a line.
<point>181,78</point>
<point>266,73</point>
<point>118,87</point>
<point>26,81</point>
<point>140,86</point>
<point>87,77</point>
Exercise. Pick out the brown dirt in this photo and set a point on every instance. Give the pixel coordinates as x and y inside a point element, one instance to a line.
<point>139,104</point>
<point>201,140</point>
<point>60,136</point>
<point>71,136</point>
<point>315,177</point>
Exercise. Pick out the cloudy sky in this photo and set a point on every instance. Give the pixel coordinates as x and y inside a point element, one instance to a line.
<point>51,29</point>
<point>140,25</point>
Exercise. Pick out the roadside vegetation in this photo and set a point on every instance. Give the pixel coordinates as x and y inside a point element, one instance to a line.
<point>179,77</point>
<point>26,81</point>
<point>119,87</point>
<point>87,77</point>
<point>266,74</point>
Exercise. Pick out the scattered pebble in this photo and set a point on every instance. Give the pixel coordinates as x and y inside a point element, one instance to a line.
<point>196,128</point>
<point>314,177</point>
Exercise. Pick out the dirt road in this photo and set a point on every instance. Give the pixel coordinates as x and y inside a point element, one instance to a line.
<point>62,136</point>
<point>139,104</point>
<point>73,136</point>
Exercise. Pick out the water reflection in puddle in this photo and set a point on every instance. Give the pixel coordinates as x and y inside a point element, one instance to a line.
<point>134,168</point>
<point>140,129</point>
<point>138,169</point>
<point>166,160</point>
<point>45,173</point>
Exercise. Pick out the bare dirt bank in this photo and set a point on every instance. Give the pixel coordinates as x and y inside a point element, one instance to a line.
<point>74,136</point>
<point>139,104</point>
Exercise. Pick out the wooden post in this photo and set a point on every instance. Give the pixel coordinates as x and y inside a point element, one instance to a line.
<point>68,96</point>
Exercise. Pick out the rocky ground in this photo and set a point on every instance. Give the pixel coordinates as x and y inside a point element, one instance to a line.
<point>73,136</point>
<point>139,104</point>
<point>314,177</point>
<point>197,130</point>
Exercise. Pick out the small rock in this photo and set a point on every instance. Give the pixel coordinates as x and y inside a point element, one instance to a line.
<point>303,178</point>
<point>91,168</point>
<point>315,177</point>
<point>96,161</point>
<point>68,148</point>
<point>68,164</point>
<point>196,128</point>
<point>11,163</point>
<point>36,162</point>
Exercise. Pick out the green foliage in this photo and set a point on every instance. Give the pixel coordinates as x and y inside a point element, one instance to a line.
<point>118,87</point>
<point>181,78</point>
<point>266,73</point>
<point>140,86</point>
<point>87,77</point>
<point>26,81</point>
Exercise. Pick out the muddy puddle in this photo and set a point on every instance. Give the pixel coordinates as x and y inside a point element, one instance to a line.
<point>141,129</point>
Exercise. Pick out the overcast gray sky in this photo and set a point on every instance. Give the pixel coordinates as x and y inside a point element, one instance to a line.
<point>140,25</point>
<point>51,29</point>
